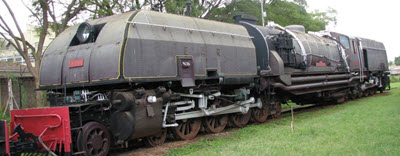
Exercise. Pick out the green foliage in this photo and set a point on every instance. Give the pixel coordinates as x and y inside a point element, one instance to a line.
<point>280,11</point>
<point>391,63</point>
<point>368,126</point>
<point>226,13</point>
<point>288,13</point>
<point>397,61</point>
<point>179,7</point>
<point>283,12</point>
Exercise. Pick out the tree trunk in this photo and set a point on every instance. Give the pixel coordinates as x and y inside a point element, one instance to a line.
<point>38,94</point>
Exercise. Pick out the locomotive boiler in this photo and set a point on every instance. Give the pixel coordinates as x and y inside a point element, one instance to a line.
<point>148,76</point>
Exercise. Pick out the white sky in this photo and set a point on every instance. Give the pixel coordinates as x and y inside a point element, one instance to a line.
<point>373,19</point>
<point>377,20</point>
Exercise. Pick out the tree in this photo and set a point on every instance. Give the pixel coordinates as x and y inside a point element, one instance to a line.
<point>199,8</point>
<point>45,16</point>
<point>226,13</point>
<point>102,8</point>
<point>397,61</point>
<point>289,13</point>
<point>280,11</point>
<point>390,63</point>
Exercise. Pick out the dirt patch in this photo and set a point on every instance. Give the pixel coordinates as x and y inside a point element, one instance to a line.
<point>141,150</point>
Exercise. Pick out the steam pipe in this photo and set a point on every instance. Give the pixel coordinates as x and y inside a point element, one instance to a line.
<point>316,78</point>
<point>313,85</point>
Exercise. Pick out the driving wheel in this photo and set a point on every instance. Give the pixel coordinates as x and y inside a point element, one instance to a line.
<point>155,140</point>
<point>187,129</point>
<point>240,120</point>
<point>215,124</point>
<point>94,139</point>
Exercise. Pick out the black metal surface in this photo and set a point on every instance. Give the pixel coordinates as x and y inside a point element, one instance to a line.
<point>375,56</point>
<point>3,140</point>
<point>259,41</point>
<point>284,47</point>
<point>26,142</point>
<point>122,125</point>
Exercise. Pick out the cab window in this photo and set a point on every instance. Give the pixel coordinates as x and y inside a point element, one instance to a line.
<point>344,40</point>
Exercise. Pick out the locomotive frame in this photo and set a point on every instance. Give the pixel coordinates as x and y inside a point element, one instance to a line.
<point>143,75</point>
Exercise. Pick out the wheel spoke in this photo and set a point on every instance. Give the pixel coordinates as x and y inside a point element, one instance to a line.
<point>91,150</point>
<point>212,122</point>
<point>188,129</point>
<point>183,128</point>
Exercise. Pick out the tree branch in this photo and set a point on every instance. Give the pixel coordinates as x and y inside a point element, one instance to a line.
<point>16,24</point>
<point>7,29</point>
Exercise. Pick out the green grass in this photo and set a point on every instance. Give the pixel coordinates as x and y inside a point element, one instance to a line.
<point>288,105</point>
<point>395,85</point>
<point>369,126</point>
<point>395,78</point>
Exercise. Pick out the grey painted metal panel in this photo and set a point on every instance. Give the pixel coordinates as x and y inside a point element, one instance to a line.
<point>77,74</point>
<point>53,58</point>
<point>150,51</point>
<point>156,39</point>
<point>105,56</point>
<point>101,58</point>
<point>375,54</point>
<point>318,49</point>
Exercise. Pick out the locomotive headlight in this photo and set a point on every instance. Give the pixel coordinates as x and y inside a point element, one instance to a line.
<point>85,32</point>
<point>152,99</point>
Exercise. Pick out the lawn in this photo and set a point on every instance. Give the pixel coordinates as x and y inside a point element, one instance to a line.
<point>395,78</point>
<point>369,126</point>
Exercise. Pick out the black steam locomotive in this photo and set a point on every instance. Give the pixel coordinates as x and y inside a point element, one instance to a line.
<point>143,75</point>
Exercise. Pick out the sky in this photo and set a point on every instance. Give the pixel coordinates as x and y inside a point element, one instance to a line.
<point>377,20</point>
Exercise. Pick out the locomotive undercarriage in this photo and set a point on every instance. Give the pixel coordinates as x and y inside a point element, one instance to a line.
<point>120,116</point>
<point>150,113</point>
<point>114,118</point>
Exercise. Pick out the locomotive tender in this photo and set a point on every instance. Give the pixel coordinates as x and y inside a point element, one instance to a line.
<point>143,75</point>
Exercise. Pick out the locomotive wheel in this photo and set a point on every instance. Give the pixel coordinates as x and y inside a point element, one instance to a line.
<point>366,93</point>
<point>278,110</point>
<point>352,96</point>
<point>360,94</point>
<point>215,124</point>
<point>187,129</point>
<point>375,90</point>
<point>260,114</point>
<point>240,120</point>
<point>94,139</point>
<point>372,92</point>
<point>155,140</point>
